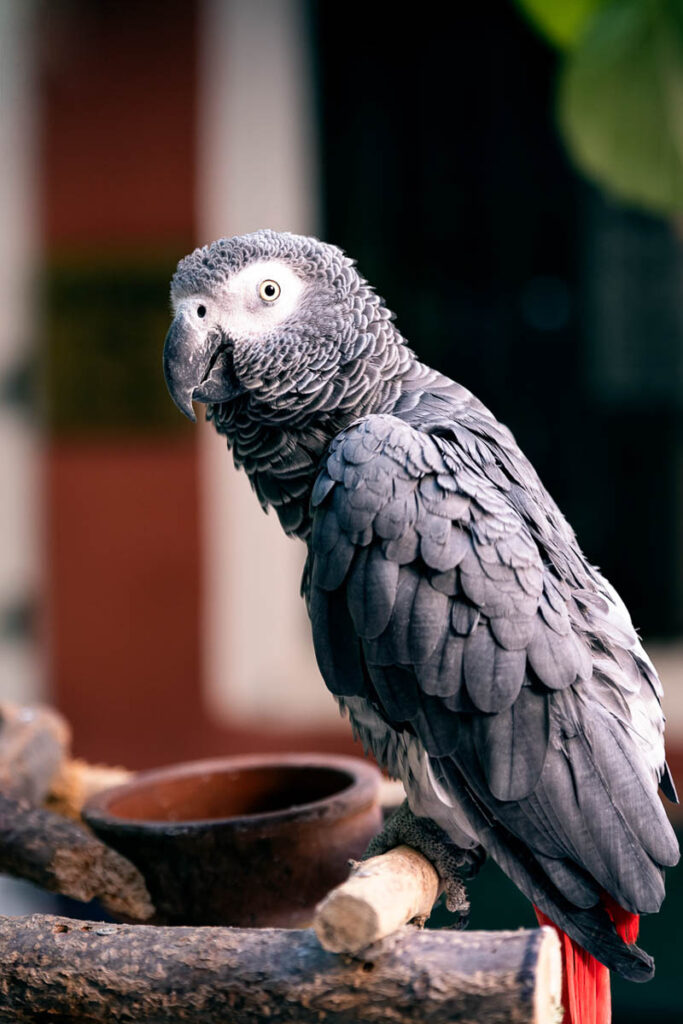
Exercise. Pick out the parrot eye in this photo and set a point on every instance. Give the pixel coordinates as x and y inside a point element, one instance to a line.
<point>201,311</point>
<point>269,290</point>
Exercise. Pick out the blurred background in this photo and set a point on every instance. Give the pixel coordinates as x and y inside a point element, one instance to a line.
<point>508,175</point>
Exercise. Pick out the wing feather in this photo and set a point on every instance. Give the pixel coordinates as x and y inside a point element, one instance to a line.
<point>439,602</point>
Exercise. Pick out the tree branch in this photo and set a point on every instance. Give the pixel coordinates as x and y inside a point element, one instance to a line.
<point>61,856</point>
<point>55,968</point>
<point>382,894</point>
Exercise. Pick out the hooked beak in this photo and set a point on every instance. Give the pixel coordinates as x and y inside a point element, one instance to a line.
<point>198,366</point>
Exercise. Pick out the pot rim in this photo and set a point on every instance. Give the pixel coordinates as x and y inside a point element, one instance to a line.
<point>362,790</point>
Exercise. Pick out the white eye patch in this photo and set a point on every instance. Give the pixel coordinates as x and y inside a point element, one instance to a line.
<point>245,309</point>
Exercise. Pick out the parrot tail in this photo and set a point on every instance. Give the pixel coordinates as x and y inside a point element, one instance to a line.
<point>586,996</point>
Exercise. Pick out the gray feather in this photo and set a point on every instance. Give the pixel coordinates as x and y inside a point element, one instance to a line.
<point>512,745</point>
<point>371,592</point>
<point>493,675</point>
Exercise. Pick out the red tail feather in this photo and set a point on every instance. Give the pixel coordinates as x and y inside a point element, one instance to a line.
<point>585,981</point>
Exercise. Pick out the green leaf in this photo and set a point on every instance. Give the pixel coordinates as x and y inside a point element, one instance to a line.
<point>621,102</point>
<point>562,22</point>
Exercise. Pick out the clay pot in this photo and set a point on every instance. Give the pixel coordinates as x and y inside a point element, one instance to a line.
<point>254,841</point>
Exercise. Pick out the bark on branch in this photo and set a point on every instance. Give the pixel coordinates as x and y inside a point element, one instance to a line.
<point>55,968</point>
<point>42,847</point>
<point>61,856</point>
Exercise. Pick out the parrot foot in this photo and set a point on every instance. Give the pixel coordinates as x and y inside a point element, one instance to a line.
<point>451,863</point>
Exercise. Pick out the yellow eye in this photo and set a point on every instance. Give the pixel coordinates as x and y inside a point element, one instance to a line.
<point>269,290</point>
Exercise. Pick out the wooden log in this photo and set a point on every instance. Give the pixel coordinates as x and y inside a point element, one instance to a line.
<point>77,780</point>
<point>33,745</point>
<point>64,857</point>
<point>381,894</point>
<point>58,969</point>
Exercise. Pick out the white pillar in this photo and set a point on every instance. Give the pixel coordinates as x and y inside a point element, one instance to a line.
<point>257,167</point>
<point>21,669</point>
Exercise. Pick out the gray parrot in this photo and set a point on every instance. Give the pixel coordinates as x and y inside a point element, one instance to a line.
<point>479,656</point>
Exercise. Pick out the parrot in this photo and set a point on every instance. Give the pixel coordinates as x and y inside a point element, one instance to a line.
<point>480,658</point>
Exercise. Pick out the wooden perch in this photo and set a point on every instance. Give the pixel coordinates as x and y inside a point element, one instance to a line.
<point>55,968</point>
<point>77,780</point>
<point>42,847</point>
<point>33,745</point>
<point>89,973</point>
<point>63,857</point>
<point>381,894</point>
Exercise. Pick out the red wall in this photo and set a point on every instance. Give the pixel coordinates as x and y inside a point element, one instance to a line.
<point>119,99</point>
<point>118,127</point>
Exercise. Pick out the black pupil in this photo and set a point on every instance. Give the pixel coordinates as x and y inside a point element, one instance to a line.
<point>269,290</point>
<point>201,310</point>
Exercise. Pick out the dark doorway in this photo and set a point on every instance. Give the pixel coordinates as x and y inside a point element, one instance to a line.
<point>445,178</point>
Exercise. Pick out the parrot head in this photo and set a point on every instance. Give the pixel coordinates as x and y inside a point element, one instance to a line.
<point>267,314</point>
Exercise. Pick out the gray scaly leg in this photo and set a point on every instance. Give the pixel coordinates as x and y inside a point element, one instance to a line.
<point>453,864</point>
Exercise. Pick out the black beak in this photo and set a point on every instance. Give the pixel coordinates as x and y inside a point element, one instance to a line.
<point>184,363</point>
<point>197,366</point>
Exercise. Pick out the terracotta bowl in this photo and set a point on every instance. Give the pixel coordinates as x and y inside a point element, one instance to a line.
<point>254,841</point>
